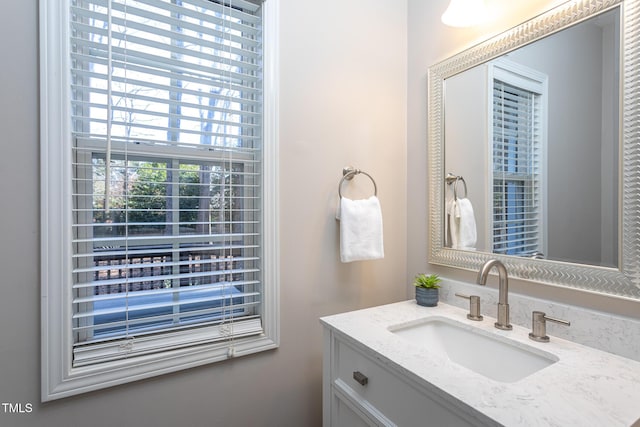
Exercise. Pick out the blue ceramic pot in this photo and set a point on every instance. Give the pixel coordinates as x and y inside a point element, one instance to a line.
<point>427,297</point>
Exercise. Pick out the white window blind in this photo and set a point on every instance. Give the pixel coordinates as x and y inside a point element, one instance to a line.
<point>517,161</point>
<point>166,123</point>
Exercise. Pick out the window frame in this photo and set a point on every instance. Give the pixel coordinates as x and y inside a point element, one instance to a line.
<point>59,378</point>
<point>534,81</point>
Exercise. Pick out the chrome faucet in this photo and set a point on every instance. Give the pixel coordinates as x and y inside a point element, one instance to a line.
<point>503,291</point>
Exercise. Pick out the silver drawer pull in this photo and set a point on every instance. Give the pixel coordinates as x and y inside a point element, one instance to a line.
<point>360,378</point>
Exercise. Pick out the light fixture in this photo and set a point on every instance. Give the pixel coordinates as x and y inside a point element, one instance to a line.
<point>465,13</point>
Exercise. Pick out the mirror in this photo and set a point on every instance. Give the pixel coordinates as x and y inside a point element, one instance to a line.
<point>541,122</point>
<point>533,127</point>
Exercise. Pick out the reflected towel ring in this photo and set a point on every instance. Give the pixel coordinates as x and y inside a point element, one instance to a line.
<point>348,173</point>
<point>455,188</point>
<point>454,179</point>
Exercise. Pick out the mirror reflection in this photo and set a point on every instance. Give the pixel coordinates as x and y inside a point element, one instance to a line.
<point>532,142</point>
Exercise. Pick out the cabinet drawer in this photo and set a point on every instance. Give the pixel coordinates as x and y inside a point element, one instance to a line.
<point>371,384</point>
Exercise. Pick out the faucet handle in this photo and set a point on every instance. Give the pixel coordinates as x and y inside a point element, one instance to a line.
<point>474,306</point>
<point>539,326</point>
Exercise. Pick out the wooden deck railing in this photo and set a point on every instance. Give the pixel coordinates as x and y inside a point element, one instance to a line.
<point>202,266</point>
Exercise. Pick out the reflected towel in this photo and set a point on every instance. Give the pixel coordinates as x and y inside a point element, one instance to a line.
<point>462,224</point>
<point>360,229</point>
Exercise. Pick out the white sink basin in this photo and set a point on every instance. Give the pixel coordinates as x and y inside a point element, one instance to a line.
<point>493,356</point>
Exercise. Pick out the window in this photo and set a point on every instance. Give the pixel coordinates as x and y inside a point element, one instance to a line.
<point>518,152</point>
<point>158,188</point>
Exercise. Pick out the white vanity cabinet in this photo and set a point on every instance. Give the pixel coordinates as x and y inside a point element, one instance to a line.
<point>361,389</point>
<point>374,376</point>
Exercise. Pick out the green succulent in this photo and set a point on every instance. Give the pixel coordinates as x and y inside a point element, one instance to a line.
<point>429,281</point>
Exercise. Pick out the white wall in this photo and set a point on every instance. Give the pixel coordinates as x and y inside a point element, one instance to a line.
<point>430,41</point>
<point>343,101</point>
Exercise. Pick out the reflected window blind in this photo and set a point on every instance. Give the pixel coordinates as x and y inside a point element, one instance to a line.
<point>516,170</point>
<point>166,112</point>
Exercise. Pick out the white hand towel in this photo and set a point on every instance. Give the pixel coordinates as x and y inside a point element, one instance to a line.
<point>462,224</point>
<point>360,229</point>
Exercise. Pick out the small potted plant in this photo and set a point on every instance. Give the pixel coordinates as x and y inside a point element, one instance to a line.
<point>427,289</point>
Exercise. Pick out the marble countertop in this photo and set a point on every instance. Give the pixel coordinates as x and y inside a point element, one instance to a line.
<point>585,387</point>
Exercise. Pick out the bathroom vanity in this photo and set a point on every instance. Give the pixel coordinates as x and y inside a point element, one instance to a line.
<point>406,365</point>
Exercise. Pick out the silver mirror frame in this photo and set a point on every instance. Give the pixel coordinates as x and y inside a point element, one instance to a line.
<point>623,282</point>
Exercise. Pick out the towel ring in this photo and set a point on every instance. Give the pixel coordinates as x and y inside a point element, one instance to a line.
<point>348,173</point>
